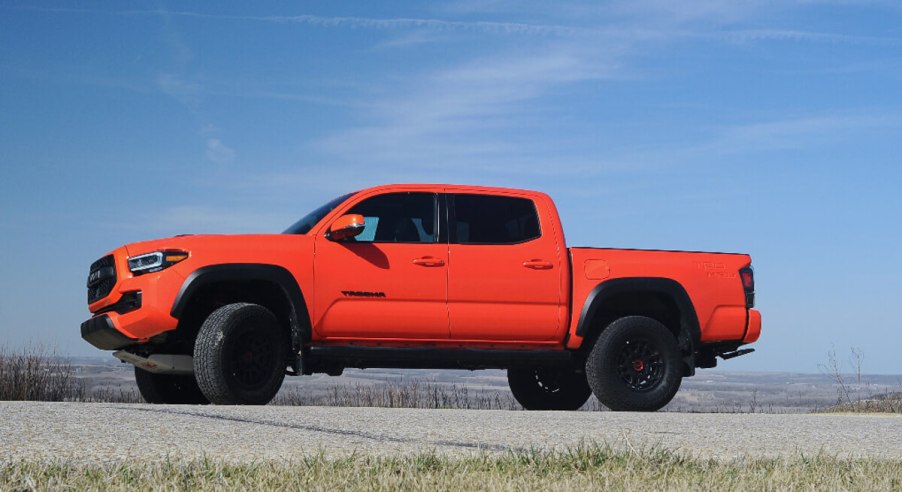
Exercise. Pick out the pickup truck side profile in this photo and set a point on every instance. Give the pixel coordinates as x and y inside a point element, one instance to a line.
<point>419,276</point>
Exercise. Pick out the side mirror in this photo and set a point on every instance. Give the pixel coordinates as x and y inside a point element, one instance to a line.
<point>347,226</point>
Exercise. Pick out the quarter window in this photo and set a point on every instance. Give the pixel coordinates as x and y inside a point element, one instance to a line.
<point>489,219</point>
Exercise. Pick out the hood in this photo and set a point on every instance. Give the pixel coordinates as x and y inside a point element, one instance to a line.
<point>232,247</point>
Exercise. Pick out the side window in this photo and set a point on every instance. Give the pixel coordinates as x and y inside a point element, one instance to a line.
<point>397,218</point>
<point>488,219</point>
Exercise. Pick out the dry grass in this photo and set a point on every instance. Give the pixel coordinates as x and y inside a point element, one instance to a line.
<point>853,393</point>
<point>886,403</point>
<point>404,394</point>
<point>38,374</point>
<point>583,468</point>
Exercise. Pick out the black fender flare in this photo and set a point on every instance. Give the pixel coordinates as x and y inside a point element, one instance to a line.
<point>299,319</point>
<point>657,285</point>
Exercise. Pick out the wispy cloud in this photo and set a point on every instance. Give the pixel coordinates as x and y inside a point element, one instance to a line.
<point>218,152</point>
<point>456,114</point>
<point>644,19</point>
<point>793,132</point>
<point>799,132</point>
<point>175,86</point>
<point>754,35</point>
<point>198,219</point>
<point>347,22</point>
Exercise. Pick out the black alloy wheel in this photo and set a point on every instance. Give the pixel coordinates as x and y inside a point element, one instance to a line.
<point>549,388</point>
<point>241,355</point>
<point>179,389</point>
<point>635,365</point>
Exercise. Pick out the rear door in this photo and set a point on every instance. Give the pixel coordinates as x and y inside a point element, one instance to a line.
<point>391,280</point>
<point>505,275</point>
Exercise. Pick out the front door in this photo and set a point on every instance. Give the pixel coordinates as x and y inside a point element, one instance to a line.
<point>505,278</point>
<point>388,282</point>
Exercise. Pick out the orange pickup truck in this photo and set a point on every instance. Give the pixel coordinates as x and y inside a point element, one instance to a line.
<point>419,276</point>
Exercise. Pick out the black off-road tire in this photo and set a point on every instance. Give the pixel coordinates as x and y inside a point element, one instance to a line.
<point>548,388</point>
<point>240,355</point>
<point>635,365</point>
<point>180,389</point>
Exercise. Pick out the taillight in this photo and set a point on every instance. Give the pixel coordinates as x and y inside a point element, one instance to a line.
<point>748,285</point>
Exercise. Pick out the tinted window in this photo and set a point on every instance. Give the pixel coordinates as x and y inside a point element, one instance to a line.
<point>485,219</point>
<point>307,222</point>
<point>397,218</point>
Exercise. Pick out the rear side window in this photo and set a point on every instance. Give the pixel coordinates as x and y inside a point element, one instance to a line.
<point>488,219</point>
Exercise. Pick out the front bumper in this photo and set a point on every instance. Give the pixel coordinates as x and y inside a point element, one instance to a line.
<point>100,332</point>
<point>133,309</point>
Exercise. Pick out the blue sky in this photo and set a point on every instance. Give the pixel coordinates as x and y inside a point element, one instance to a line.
<point>773,128</point>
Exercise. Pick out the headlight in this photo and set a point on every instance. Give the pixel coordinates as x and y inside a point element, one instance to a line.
<point>156,261</point>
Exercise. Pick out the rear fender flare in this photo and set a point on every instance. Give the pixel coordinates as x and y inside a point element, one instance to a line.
<point>605,291</point>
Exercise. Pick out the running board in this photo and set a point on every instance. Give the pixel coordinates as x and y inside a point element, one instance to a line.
<point>159,363</point>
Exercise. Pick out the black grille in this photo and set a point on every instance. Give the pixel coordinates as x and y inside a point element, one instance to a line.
<point>101,278</point>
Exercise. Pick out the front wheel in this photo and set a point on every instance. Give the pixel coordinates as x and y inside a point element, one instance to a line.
<point>635,365</point>
<point>240,355</point>
<point>548,388</point>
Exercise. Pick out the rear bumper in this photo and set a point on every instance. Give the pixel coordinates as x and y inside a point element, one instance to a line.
<point>100,332</point>
<point>753,327</point>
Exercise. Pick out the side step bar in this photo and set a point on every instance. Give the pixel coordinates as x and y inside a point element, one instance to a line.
<point>159,363</point>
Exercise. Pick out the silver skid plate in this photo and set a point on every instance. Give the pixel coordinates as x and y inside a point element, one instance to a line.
<point>159,363</point>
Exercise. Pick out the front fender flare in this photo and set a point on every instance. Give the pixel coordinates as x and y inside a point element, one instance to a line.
<point>298,317</point>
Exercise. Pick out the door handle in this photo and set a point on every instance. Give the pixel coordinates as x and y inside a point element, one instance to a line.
<point>429,261</point>
<point>538,264</point>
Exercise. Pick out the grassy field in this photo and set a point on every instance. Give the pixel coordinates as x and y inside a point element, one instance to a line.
<point>584,468</point>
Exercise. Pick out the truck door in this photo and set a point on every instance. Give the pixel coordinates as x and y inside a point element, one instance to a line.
<point>391,280</point>
<point>505,275</point>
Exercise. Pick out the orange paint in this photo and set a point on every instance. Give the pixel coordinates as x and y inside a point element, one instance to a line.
<point>438,293</point>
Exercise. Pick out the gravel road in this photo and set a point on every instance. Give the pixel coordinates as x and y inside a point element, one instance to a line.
<point>102,432</point>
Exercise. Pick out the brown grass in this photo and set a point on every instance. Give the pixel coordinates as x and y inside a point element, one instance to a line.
<point>38,374</point>
<point>583,468</point>
<point>406,394</point>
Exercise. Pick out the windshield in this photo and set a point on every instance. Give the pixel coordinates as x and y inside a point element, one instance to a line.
<point>306,223</point>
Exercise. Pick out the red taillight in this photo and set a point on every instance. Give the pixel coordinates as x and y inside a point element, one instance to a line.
<point>748,285</point>
<point>748,279</point>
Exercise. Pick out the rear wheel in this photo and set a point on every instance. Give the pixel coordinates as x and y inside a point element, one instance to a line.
<point>240,355</point>
<point>548,388</point>
<point>635,365</point>
<point>169,388</point>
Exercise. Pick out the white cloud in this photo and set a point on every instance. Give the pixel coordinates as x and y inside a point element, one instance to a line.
<point>175,86</point>
<point>218,152</point>
<point>776,133</point>
<point>455,115</point>
<point>197,219</point>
